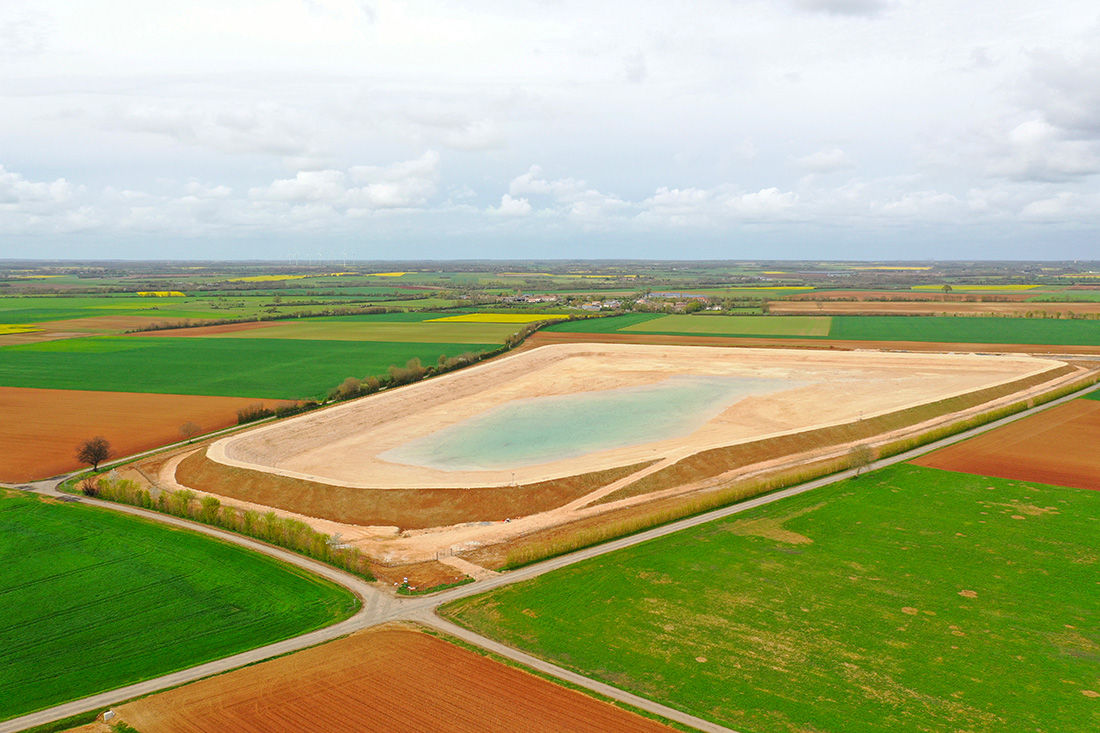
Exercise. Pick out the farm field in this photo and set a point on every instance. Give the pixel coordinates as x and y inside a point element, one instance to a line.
<point>840,294</point>
<point>1057,446</point>
<point>734,325</point>
<point>880,329</point>
<point>975,330</point>
<point>256,368</point>
<point>95,600</point>
<point>324,329</point>
<point>910,599</point>
<point>388,678</point>
<point>926,307</point>
<point>42,428</point>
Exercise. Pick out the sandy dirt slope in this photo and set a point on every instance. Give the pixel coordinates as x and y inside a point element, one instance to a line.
<point>342,446</point>
<point>1054,447</point>
<point>383,679</point>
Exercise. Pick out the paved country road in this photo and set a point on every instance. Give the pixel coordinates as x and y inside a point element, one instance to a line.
<point>379,607</point>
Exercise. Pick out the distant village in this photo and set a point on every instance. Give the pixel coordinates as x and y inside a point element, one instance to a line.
<point>669,302</point>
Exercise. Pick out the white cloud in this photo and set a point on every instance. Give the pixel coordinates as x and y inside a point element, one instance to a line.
<point>474,137</point>
<point>532,182</point>
<point>24,30</point>
<point>1037,150</point>
<point>866,8</point>
<point>827,160</point>
<point>15,190</point>
<point>512,207</point>
<point>765,203</point>
<point>228,128</point>
<point>306,186</point>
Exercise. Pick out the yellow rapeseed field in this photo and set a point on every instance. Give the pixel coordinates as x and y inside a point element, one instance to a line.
<point>6,329</point>
<point>497,318</point>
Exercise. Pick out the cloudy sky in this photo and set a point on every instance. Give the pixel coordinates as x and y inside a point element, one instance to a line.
<point>742,129</point>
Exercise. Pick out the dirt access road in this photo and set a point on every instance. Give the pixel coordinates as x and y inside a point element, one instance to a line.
<point>378,607</point>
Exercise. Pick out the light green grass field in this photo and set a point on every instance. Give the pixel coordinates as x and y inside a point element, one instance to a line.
<point>966,330</point>
<point>272,368</point>
<point>735,325</point>
<point>95,600</point>
<point>907,600</point>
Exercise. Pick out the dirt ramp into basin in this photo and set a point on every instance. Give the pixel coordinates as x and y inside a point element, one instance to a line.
<point>386,679</point>
<point>1058,446</point>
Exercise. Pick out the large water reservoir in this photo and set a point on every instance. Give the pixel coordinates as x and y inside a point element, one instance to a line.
<point>536,430</point>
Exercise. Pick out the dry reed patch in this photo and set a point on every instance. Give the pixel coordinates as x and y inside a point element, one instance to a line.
<point>383,679</point>
<point>1053,447</point>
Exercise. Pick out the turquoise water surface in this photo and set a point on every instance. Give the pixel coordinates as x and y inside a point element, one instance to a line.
<point>535,430</point>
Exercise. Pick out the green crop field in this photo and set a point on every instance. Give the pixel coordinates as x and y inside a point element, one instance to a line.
<point>976,330</point>
<point>966,330</point>
<point>909,599</point>
<point>46,308</point>
<point>272,368</point>
<point>94,600</point>
<point>324,329</point>
<point>711,325</point>
<point>603,325</point>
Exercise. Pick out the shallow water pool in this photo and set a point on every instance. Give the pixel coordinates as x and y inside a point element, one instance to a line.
<point>527,432</point>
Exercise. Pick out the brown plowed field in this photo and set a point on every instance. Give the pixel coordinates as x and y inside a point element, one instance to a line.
<point>98,324</point>
<point>1054,447</point>
<point>40,429</point>
<point>200,331</point>
<point>926,308</point>
<point>543,338</point>
<point>383,679</point>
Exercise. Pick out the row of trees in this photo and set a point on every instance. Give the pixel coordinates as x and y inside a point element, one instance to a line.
<point>291,534</point>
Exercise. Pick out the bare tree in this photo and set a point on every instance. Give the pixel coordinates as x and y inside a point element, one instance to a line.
<point>861,457</point>
<point>189,430</point>
<point>94,451</point>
